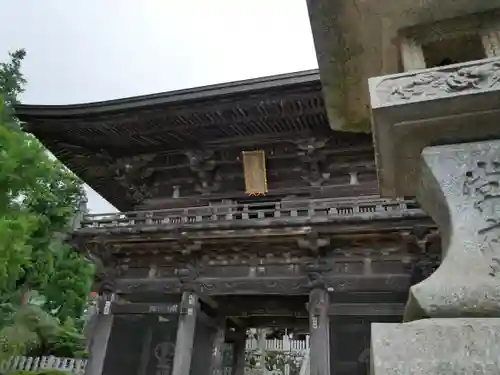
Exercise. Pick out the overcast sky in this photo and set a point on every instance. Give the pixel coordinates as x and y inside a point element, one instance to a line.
<point>91,50</point>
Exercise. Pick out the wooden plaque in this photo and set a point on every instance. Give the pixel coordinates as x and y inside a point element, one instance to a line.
<point>254,165</point>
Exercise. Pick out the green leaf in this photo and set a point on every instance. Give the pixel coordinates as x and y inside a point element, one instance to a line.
<point>38,199</point>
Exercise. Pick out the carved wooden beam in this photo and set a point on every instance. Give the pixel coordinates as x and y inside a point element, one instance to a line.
<point>426,243</point>
<point>313,242</point>
<point>300,285</point>
<point>310,154</point>
<point>335,309</point>
<point>133,174</point>
<point>108,269</point>
<point>204,166</point>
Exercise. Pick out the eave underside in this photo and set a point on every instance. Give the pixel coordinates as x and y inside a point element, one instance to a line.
<point>89,138</point>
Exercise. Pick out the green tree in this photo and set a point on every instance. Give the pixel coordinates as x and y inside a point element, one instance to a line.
<point>38,199</point>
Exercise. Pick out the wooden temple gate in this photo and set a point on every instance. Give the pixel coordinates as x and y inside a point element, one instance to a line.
<point>240,207</point>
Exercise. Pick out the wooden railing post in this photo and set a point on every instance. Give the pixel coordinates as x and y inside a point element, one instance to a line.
<point>244,215</point>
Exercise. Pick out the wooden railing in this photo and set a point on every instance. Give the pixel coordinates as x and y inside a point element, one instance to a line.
<point>254,211</point>
<point>21,363</point>
<point>284,345</point>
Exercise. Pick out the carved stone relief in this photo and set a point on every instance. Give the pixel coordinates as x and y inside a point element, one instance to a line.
<point>460,189</point>
<point>431,84</point>
<point>482,186</point>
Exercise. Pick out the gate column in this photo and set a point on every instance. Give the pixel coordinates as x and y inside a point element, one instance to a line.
<point>100,336</point>
<point>185,334</point>
<point>239,351</point>
<point>319,324</point>
<point>217,365</point>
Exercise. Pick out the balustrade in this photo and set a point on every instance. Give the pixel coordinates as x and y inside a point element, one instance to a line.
<point>253,211</point>
<point>283,345</point>
<point>22,363</point>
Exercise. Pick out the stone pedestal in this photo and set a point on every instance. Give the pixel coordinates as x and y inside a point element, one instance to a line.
<point>460,189</point>
<point>437,136</point>
<point>460,346</point>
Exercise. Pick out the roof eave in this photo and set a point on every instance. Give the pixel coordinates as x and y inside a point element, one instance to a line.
<point>25,112</point>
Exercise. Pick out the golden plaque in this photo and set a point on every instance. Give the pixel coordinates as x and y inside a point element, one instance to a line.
<point>254,166</point>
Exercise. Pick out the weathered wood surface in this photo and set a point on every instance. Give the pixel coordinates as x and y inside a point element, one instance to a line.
<point>320,208</point>
<point>298,285</point>
<point>319,323</point>
<point>238,365</point>
<point>335,308</point>
<point>185,335</point>
<point>95,139</point>
<point>145,308</point>
<point>217,364</point>
<point>99,345</point>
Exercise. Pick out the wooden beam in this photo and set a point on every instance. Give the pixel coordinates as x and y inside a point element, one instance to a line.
<point>299,285</point>
<point>366,309</point>
<point>370,221</point>
<point>215,306</point>
<point>145,308</point>
<point>277,322</point>
<point>335,309</point>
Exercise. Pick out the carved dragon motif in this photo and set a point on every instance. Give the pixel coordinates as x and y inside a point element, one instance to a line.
<point>435,83</point>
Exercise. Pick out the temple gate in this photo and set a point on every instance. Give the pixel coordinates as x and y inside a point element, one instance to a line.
<point>240,208</point>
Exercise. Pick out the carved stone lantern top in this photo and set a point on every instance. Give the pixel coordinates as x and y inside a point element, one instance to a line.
<point>452,104</point>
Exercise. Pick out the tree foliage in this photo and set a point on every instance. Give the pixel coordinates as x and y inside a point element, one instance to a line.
<point>38,199</point>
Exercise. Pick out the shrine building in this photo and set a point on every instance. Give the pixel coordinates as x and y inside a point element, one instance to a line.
<point>257,203</point>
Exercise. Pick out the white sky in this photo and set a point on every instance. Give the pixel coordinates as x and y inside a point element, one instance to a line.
<point>91,50</point>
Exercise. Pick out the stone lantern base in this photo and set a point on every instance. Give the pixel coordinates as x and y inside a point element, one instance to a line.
<point>459,346</point>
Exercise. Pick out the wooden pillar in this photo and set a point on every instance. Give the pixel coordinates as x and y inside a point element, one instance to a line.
<point>100,337</point>
<point>239,351</point>
<point>319,324</point>
<point>217,365</point>
<point>185,334</point>
<point>261,337</point>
